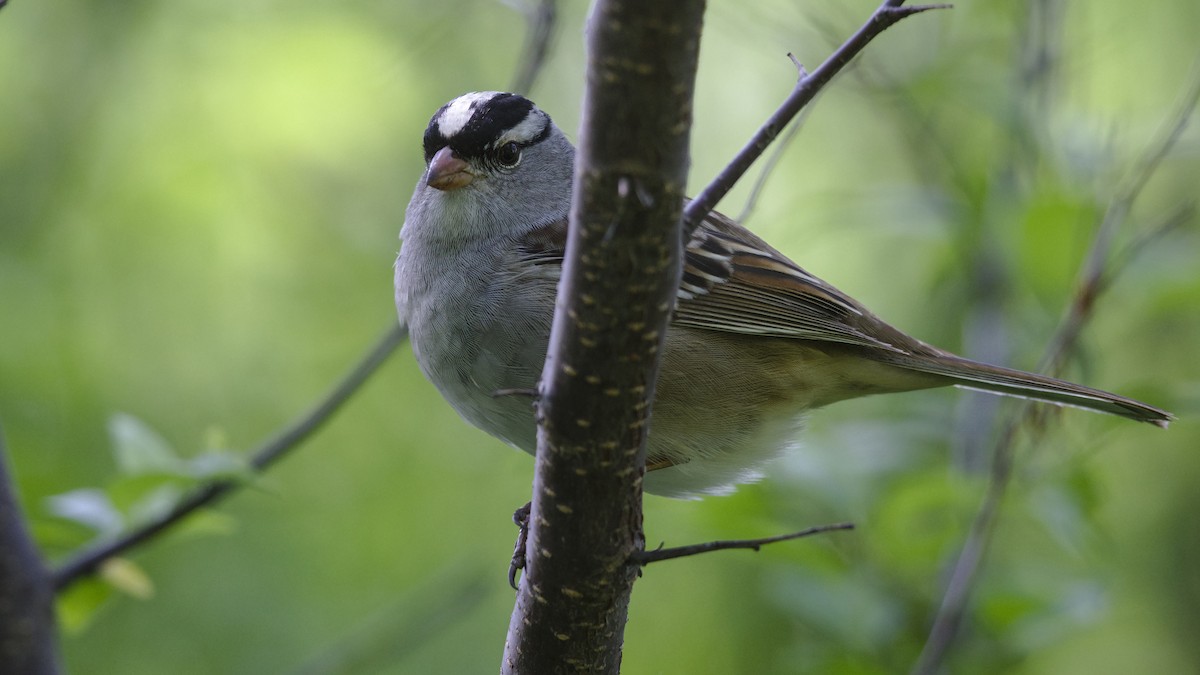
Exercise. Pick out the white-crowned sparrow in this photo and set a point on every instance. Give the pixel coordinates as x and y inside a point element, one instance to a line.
<point>754,341</point>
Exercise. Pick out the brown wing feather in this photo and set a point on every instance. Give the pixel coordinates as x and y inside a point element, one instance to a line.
<point>735,282</point>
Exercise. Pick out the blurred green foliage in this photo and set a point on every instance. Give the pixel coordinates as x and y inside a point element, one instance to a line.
<point>198,210</point>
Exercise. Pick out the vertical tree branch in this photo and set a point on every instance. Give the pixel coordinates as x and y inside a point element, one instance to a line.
<point>620,275</point>
<point>27,643</point>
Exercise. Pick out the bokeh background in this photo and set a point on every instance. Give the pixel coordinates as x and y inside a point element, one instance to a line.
<point>199,203</point>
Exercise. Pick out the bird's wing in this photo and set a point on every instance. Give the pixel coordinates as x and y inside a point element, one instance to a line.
<point>735,282</point>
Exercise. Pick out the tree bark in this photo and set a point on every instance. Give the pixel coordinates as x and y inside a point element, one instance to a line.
<point>619,281</point>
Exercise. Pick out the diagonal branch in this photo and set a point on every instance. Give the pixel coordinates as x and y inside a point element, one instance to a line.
<point>1096,275</point>
<point>86,562</point>
<point>885,16</point>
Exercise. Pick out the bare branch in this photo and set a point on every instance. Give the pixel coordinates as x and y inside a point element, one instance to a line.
<point>541,16</point>
<point>87,561</point>
<point>643,558</point>
<point>1175,220</point>
<point>885,16</point>
<point>1096,276</point>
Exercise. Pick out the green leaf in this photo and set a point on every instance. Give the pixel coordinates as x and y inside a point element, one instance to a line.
<point>128,577</point>
<point>126,492</point>
<point>919,520</point>
<point>155,503</point>
<point>1001,610</point>
<point>89,507</point>
<point>138,448</point>
<point>78,604</point>
<point>848,608</point>
<point>205,523</point>
<point>218,465</point>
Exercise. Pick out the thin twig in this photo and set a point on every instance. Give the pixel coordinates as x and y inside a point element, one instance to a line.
<point>86,561</point>
<point>1181,216</point>
<point>885,16</point>
<point>643,558</point>
<point>542,16</point>
<point>1094,280</point>
<point>1096,274</point>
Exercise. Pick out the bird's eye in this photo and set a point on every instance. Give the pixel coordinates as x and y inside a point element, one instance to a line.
<point>508,155</point>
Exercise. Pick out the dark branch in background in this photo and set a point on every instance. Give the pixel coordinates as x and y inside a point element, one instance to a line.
<point>541,17</point>
<point>27,635</point>
<point>887,15</point>
<point>646,557</point>
<point>1097,275</point>
<point>620,275</point>
<point>87,561</point>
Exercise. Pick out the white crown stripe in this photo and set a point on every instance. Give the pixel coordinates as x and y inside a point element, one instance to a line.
<point>459,112</point>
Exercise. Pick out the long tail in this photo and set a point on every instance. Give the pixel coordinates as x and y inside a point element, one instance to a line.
<point>975,375</point>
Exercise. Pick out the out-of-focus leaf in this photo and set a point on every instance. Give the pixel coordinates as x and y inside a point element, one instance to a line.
<point>89,507</point>
<point>1002,610</point>
<point>1064,513</point>
<point>205,523</point>
<point>56,535</point>
<point>138,448</point>
<point>157,503</point>
<point>1077,604</point>
<point>162,500</point>
<point>920,520</point>
<point>78,605</point>
<point>848,608</point>
<point>126,492</point>
<point>218,465</point>
<point>128,577</point>
<point>1081,484</point>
